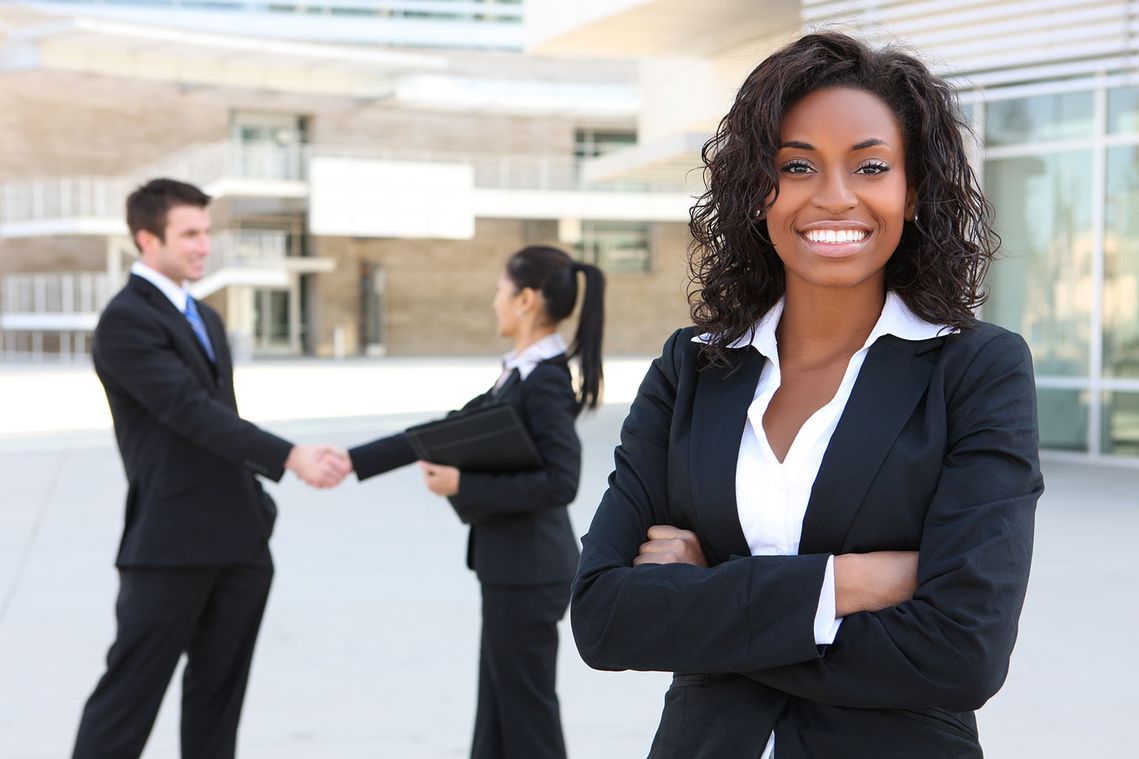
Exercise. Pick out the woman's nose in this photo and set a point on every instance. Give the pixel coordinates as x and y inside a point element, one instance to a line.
<point>835,195</point>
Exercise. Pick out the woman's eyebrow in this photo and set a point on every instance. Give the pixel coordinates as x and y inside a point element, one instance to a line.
<point>870,143</point>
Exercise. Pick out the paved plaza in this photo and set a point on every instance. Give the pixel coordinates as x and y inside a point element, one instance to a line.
<point>370,642</point>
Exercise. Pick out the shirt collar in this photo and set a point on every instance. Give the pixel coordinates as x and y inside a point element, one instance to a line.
<point>548,347</point>
<point>896,319</point>
<point>175,293</point>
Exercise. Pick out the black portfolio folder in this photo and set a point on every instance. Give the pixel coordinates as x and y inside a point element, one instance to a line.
<point>490,439</point>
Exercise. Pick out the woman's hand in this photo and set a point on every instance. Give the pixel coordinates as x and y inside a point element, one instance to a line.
<point>671,545</point>
<point>440,479</point>
<point>874,581</point>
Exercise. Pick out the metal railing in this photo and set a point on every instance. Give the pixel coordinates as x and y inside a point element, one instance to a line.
<point>63,198</point>
<point>246,249</point>
<point>55,293</point>
<point>206,164</point>
<point>88,292</point>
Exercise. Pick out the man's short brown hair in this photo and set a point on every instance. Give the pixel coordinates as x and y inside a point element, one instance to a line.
<point>148,206</point>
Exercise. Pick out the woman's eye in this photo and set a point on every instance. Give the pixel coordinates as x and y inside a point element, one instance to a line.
<point>796,167</point>
<point>872,168</point>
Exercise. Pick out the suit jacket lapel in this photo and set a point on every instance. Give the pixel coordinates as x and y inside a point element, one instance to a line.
<point>719,414</point>
<point>890,384</point>
<point>216,330</point>
<point>508,384</point>
<point>187,341</point>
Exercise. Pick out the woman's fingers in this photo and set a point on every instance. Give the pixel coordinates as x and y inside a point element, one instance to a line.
<point>670,545</point>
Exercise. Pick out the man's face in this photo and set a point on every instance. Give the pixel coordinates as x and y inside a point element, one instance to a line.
<point>181,254</point>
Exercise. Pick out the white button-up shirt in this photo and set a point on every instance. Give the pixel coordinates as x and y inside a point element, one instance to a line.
<point>174,292</point>
<point>549,346</point>
<point>772,496</point>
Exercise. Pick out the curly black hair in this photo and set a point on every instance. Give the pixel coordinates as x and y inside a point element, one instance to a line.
<point>939,266</point>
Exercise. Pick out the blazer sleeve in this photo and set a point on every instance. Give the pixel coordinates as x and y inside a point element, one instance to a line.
<point>740,615</point>
<point>381,455</point>
<point>138,357</point>
<point>550,409</point>
<point>950,645</point>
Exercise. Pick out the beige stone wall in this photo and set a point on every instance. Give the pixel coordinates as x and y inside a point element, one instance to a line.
<point>63,124</point>
<point>60,124</point>
<point>53,254</point>
<point>438,292</point>
<point>644,309</point>
<point>434,132</point>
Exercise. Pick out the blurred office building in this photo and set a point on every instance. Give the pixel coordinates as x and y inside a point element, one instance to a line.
<point>1051,88</point>
<point>375,160</point>
<point>372,163</point>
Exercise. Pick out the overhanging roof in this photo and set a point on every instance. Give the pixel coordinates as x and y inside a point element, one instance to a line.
<point>105,47</point>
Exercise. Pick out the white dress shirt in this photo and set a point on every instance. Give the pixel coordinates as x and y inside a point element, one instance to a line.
<point>549,346</point>
<point>772,496</point>
<point>176,293</point>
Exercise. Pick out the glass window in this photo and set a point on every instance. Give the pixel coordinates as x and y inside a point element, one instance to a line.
<point>1041,284</point>
<point>965,112</point>
<point>1064,116</point>
<point>1121,423</point>
<point>1121,264</point>
<point>590,143</point>
<point>616,246</point>
<point>1063,416</point>
<point>1123,110</point>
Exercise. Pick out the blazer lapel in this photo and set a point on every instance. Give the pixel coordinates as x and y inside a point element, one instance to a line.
<point>187,341</point>
<point>507,387</point>
<point>216,330</point>
<point>719,413</point>
<point>889,386</point>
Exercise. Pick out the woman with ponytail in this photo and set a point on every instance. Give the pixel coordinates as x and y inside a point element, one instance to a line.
<point>521,545</point>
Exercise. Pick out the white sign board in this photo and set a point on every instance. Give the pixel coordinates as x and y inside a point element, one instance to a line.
<point>357,197</point>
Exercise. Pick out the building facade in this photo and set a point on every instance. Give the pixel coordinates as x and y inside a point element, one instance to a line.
<point>1051,88</point>
<point>373,162</point>
<point>365,196</point>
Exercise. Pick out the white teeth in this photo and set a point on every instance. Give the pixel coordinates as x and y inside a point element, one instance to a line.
<point>835,236</point>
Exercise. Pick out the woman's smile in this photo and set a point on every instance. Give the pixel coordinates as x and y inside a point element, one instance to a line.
<point>843,198</point>
<point>836,239</point>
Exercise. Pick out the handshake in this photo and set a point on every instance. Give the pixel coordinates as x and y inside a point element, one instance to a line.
<point>322,466</point>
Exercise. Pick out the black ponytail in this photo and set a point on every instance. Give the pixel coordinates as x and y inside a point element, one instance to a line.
<point>553,273</point>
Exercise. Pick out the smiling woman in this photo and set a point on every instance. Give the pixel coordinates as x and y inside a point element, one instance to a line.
<point>820,516</point>
<point>843,198</point>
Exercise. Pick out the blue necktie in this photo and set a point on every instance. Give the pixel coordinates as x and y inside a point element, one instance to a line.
<point>199,327</point>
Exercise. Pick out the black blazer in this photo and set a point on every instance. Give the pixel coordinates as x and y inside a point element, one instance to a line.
<point>520,528</point>
<point>936,452</point>
<point>192,498</point>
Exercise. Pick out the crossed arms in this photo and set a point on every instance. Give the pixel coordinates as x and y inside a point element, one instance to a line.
<point>940,636</point>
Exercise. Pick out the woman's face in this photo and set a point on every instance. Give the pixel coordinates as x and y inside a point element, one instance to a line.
<point>843,197</point>
<point>506,306</point>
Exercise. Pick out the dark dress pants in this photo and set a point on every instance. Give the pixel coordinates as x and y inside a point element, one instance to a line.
<point>212,614</point>
<point>518,716</point>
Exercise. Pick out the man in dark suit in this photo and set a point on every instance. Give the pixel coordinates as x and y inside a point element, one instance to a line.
<point>194,563</point>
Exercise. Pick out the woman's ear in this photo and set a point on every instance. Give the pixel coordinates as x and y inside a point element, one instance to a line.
<point>911,203</point>
<point>526,300</point>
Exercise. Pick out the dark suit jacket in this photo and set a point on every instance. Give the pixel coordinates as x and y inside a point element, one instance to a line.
<point>520,529</point>
<point>192,498</point>
<point>936,452</point>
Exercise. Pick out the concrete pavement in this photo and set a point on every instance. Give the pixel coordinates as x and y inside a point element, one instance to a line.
<point>369,646</point>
